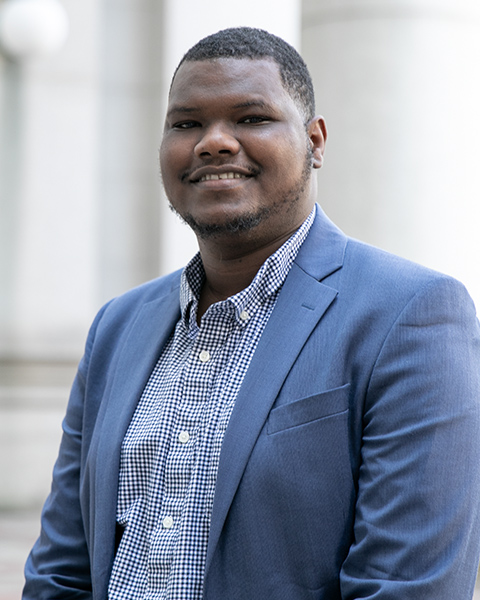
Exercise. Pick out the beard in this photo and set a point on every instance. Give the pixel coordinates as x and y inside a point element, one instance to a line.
<point>245,222</point>
<point>250,220</point>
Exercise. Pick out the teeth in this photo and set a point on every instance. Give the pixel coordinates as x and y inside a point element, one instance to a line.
<point>214,177</point>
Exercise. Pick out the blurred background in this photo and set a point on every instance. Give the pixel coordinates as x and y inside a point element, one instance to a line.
<point>83,87</point>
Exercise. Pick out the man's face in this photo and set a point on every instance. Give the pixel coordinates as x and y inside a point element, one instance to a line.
<point>236,155</point>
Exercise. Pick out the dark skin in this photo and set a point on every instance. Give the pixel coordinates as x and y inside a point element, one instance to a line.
<point>237,162</point>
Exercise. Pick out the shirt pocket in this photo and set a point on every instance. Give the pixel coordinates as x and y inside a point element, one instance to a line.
<point>306,410</point>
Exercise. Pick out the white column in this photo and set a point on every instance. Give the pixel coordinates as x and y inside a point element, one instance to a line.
<point>129,130</point>
<point>185,23</point>
<point>49,120</point>
<point>48,187</point>
<point>399,85</point>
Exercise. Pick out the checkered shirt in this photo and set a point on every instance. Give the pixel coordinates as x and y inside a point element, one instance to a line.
<point>170,453</point>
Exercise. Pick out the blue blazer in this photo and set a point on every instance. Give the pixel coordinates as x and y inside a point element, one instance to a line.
<point>351,464</point>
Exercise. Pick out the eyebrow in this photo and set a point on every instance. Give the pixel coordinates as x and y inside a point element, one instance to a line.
<point>249,103</point>
<point>178,108</point>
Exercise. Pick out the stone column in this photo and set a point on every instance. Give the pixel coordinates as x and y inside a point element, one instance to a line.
<point>399,86</point>
<point>129,131</point>
<point>48,190</point>
<point>49,150</point>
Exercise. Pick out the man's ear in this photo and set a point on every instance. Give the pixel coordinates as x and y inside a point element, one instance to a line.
<point>317,133</point>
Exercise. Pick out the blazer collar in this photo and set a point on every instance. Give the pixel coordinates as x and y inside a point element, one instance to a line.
<point>323,251</point>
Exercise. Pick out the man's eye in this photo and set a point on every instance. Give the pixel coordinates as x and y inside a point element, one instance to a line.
<point>254,120</point>
<point>186,125</point>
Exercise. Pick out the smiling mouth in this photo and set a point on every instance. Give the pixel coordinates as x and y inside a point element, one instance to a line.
<point>215,177</point>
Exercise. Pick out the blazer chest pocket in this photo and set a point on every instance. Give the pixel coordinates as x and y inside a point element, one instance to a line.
<point>300,412</point>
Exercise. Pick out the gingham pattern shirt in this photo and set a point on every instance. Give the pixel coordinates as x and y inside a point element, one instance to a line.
<point>170,453</point>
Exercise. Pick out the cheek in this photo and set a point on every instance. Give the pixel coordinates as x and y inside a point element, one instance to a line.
<point>169,167</point>
<point>282,154</point>
<point>168,177</point>
<point>173,154</point>
<point>163,159</point>
<point>286,170</point>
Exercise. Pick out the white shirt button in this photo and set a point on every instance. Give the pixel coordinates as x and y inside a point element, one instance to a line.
<point>183,437</point>
<point>204,356</point>
<point>167,522</point>
<point>244,315</point>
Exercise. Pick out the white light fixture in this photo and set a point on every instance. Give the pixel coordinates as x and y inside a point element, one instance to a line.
<point>32,28</point>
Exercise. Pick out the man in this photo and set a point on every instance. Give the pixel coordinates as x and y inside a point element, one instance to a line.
<point>296,415</point>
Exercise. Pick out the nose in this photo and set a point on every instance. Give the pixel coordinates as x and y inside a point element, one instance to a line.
<point>216,139</point>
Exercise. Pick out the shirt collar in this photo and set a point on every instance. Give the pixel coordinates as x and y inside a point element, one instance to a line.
<point>268,280</point>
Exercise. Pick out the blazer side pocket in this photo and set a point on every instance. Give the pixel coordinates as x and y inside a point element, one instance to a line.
<point>306,410</point>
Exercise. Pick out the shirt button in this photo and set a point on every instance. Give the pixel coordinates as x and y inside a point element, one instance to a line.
<point>204,356</point>
<point>244,315</point>
<point>167,522</point>
<point>183,437</point>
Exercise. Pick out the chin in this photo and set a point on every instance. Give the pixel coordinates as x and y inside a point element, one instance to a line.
<point>233,225</point>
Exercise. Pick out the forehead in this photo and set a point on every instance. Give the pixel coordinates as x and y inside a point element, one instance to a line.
<point>228,79</point>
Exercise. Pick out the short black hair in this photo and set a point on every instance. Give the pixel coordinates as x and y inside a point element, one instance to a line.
<point>249,42</point>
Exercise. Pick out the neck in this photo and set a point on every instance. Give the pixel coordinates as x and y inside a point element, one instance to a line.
<point>229,268</point>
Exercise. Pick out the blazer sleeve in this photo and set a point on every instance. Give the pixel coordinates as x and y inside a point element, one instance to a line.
<point>416,531</point>
<point>58,565</point>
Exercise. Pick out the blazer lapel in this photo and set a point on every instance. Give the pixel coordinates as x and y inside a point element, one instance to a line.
<point>300,305</point>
